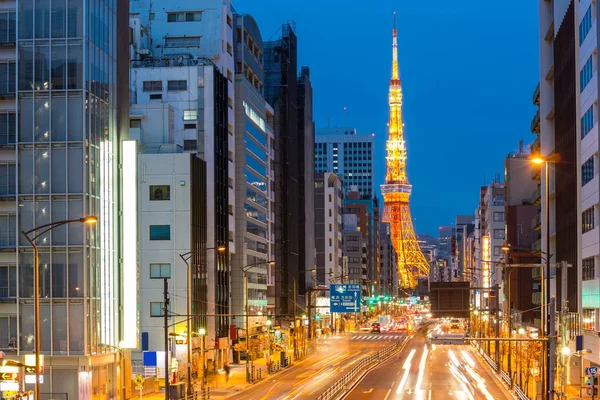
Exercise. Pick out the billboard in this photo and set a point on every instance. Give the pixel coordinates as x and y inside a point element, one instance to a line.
<point>450,299</point>
<point>344,298</point>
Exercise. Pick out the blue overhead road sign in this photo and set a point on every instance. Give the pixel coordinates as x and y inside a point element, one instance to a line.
<point>345,298</point>
<point>591,371</point>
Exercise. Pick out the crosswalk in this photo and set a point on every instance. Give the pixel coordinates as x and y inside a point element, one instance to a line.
<point>375,337</point>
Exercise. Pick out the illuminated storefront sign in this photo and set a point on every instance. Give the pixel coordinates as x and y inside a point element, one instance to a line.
<point>485,263</point>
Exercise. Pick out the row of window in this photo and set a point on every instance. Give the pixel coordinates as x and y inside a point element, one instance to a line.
<point>190,16</point>
<point>588,268</point>
<point>586,73</point>
<point>157,86</point>
<point>587,220</point>
<point>585,25</point>
<point>587,171</point>
<point>587,122</point>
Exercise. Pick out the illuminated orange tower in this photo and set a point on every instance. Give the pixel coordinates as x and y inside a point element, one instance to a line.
<point>396,190</point>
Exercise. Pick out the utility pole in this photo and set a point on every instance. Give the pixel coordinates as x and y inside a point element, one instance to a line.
<point>166,322</point>
<point>550,366</point>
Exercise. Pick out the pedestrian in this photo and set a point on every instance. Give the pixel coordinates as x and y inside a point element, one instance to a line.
<point>227,371</point>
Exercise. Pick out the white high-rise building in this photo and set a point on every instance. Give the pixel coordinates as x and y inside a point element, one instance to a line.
<point>348,155</point>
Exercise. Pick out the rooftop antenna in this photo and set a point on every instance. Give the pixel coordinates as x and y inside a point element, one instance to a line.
<point>344,116</point>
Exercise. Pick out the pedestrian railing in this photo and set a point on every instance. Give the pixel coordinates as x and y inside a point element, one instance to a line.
<point>519,392</point>
<point>346,381</point>
<point>506,378</point>
<point>490,361</point>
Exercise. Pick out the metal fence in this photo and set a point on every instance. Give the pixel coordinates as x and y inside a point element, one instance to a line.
<point>348,379</point>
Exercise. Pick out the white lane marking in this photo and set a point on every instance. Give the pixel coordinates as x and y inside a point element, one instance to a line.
<point>392,385</point>
<point>430,395</point>
<point>387,394</point>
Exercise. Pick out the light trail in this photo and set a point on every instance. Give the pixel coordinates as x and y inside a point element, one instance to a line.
<point>422,366</point>
<point>406,368</point>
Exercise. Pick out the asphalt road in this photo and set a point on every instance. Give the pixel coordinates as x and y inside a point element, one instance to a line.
<point>313,376</point>
<point>425,373</point>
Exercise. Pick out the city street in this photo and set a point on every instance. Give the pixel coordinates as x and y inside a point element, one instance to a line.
<point>313,376</point>
<point>435,372</point>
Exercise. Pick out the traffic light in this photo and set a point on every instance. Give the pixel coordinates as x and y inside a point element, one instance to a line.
<point>318,317</point>
<point>387,298</point>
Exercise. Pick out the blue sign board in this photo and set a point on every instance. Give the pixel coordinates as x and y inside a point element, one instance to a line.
<point>344,298</point>
<point>591,371</point>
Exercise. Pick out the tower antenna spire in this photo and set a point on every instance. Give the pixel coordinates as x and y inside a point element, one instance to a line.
<point>396,191</point>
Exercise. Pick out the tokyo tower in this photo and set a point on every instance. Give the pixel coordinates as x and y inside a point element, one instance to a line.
<point>396,191</point>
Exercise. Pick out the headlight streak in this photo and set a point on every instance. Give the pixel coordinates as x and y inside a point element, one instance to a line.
<point>421,369</point>
<point>406,368</point>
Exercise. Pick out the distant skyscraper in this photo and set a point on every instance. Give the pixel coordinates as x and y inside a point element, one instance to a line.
<point>291,98</point>
<point>328,228</point>
<point>350,156</point>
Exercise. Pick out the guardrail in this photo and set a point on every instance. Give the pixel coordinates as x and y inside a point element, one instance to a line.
<point>346,381</point>
<point>520,393</point>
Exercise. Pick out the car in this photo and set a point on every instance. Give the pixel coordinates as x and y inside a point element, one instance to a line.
<point>376,328</point>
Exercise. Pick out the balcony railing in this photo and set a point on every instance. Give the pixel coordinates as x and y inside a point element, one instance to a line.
<point>535,123</point>
<point>536,273</point>
<point>537,245</point>
<point>536,95</point>
<point>536,222</point>
<point>536,197</point>
<point>536,298</point>
<point>535,146</point>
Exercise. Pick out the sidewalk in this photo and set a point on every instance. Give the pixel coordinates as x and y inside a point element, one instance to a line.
<point>220,387</point>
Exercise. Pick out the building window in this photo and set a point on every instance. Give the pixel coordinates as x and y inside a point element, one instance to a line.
<point>330,242</point>
<point>158,271</point>
<point>135,123</point>
<point>189,126</point>
<point>8,332</point>
<point>152,86</point>
<point>587,220</point>
<point>160,192</point>
<point>589,319</point>
<point>156,97</point>
<point>8,128</point>
<point>190,16</point>
<point>157,309</point>
<point>587,122</point>
<point>588,268</point>
<point>498,233</point>
<point>330,257</point>
<point>190,115</point>
<point>7,77</point>
<point>497,250</point>
<point>8,281</point>
<point>8,176</point>
<point>585,25</point>
<point>499,216</point>
<point>587,171</point>
<point>330,229</point>
<point>8,26</point>
<point>586,73</point>
<point>182,41</point>
<point>190,145</point>
<point>8,230</point>
<point>160,232</point>
<point>176,85</point>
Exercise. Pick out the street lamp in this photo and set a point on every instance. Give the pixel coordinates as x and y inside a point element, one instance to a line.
<point>566,352</point>
<point>202,333</point>
<point>186,257</point>
<point>245,270</point>
<point>37,232</point>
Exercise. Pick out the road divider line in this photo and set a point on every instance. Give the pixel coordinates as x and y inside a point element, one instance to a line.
<point>387,394</point>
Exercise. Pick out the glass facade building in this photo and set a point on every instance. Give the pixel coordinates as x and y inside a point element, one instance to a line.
<point>65,133</point>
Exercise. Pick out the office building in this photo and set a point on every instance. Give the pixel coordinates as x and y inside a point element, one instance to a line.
<point>390,282</point>
<point>58,162</point>
<point>446,252</point>
<point>194,75</point>
<point>367,212</point>
<point>355,250</point>
<point>329,196</point>
<point>255,178</point>
<point>464,226</point>
<point>291,98</point>
<point>347,154</point>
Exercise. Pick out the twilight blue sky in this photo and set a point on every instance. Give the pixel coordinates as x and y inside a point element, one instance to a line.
<point>468,71</point>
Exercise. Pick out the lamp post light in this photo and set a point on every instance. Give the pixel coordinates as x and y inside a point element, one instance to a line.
<point>32,235</point>
<point>202,333</point>
<point>268,323</point>
<point>245,270</point>
<point>566,352</point>
<point>186,257</point>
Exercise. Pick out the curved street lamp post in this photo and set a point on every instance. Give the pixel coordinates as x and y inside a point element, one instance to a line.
<point>37,232</point>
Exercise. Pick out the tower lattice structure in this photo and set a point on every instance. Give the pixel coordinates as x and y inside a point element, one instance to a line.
<point>396,191</point>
